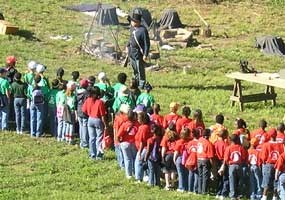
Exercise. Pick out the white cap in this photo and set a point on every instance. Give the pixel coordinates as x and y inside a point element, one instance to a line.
<point>102,76</point>
<point>40,68</point>
<point>71,85</point>
<point>125,108</point>
<point>32,64</point>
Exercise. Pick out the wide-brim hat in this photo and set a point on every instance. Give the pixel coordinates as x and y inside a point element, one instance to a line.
<point>136,17</point>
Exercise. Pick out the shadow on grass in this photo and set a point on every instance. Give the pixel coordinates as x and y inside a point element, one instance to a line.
<point>198,87</point>
<point>28,35</point>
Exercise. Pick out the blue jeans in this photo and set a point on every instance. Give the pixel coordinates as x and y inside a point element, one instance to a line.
<point>139,171</point>
<point>95,131</point>
<point>20,115</point>
<point>154,171</point>
<point>235,174</point>
<point>36,116</point>
<point>182,174</point>
<point>53,121</point>
<point>83,132</point>
<point>255,182</point>
<point>193,181</point>
<point>268,176</point>
<point>4,113</point>
<point>60,129</point>
<point>223,181</point>
<point>119,156</point>
<point>281,182</point>
<point>204,168</point>
<point>129,153</point>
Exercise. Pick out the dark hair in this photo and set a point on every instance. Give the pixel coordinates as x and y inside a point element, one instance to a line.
<point>224,133</point>
<point>62,86</point>
<point>18,76</point>
<point>37,79</point>
<point>240,123</point>
<point>156,130</point>
<point>75,75</point>
<point>55,83</point>
<point>281,127</point>
<point>220,119</point>
<point>195,133</point>
<point>156,108</point>
<point>262,124</point>
<point>185,133</point>
<point>134,84</point>
<point>198,116</point>
<point>60,72</point>
<point>95,92</point>
<point>143,117</point>
<point>186,111</point>
<point>91,79</point>
<point>122,78</point>
<point>172,126</point>
<point>131,115</point>
<point>235,139</point>
<point>206,133</point>
<point>149,110</point>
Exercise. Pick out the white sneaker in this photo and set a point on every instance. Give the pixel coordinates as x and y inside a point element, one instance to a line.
<point>221,197</point>
<point>145,178</point>
<point>217,197</point>
<point>179,190</point>
<point>129,177</point>
<point>264,198</point>
<point>274,198</point>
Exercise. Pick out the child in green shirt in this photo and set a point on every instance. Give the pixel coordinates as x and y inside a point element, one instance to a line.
<point>52,107</point>
<point>146,98</point>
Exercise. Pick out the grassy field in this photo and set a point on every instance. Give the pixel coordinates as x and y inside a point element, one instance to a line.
<point>45,169</point>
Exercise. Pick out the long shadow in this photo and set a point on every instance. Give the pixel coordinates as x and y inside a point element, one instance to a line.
<point>198,87</point>
<point>28,35</point>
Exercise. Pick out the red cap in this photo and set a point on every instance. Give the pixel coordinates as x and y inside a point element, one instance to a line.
<point>11,60</point>
<point>272,133</point>
<point>84,83</point>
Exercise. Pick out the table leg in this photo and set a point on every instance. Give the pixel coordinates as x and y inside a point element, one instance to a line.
<point>234,92</point>
<point>239,93</point>
<point>272,91</point>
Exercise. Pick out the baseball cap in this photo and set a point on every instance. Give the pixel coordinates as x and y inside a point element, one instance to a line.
<point>32,65</point>
<point>83,83</point>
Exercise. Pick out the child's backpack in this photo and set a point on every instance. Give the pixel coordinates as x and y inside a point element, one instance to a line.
<point>37,97</point>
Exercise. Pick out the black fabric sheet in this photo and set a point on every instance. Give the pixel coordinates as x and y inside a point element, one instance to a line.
<point>107,16</point>
<point>170,19</point>
<point>146,16</point>
<point>271,45</point>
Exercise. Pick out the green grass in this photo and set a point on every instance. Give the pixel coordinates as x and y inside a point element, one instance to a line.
<point>45,169</point>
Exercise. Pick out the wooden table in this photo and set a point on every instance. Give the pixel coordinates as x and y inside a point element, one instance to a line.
<point>268,79</point>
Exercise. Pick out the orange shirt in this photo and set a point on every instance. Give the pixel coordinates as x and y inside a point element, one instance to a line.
<point>216,129</point>
<point>254,157</point>
<point>144,132</point>
<point>205,149</point>
<point>280,164</point>
<point>235,154</point>
<point>169,145</point>
<point>280,138</point>
<point>181,123</point>
<point>220,147</point>
<point>127,132</point>
<point>171,117</point>
<point>271,151</point>
<point>180,145</point>
<point>157,119</point>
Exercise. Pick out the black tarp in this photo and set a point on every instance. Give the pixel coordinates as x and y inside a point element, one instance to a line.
<point>146,16</point>
<point>107,16</point>
<point>271,45</point>
<point>170,19</point>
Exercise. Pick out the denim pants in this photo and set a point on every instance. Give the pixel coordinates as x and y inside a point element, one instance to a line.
<point>20,115</point>
<point>154,171</point>
<point>193,181</point>
<point>139,71</point>
<point>4,113</point>
<point>119,156</point>
<point>139,171</point>
<point>60,129</point>
<point>223,181</point>
<point>182,174</point>
<point>83,132</point>
<point>255,182</point>
<point>268,176</point>
<point>95,132</point>
<point>53,121</point>
<point>129,153</point>
<point>204,168</point>
<point>36,117</point>
<point>281,182</point>
<point>235,173</point>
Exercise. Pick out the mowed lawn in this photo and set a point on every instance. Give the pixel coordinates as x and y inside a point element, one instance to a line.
<point>44,169</point>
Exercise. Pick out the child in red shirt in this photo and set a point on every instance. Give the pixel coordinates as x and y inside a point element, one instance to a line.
<point>255,170</point>
<point>205,154</point>
<point>242,132</point>
<point>235,157</point>
<point>153,156</point>
<point>179,147</point>
<point>172,117</point>
<point>260,133</point>
<point>126,137</point>
<point>280,138</point>
<point>223,180</point>
<point>184,120</point>
<point>156,117</point>
<point>197,122</point>
<point>270,152</point>
<point>167,152</point>
<point>280,175</point>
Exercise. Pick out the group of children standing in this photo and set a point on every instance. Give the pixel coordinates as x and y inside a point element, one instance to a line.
<point>147,144</point>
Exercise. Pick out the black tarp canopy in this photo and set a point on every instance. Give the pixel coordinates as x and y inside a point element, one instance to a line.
<point>107,15</point>
<point>170,19</point>
<point>271,45</point>
<point>146,16</point>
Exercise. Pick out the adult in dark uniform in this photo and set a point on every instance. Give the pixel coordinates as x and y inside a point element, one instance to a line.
<point>138,48</point>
